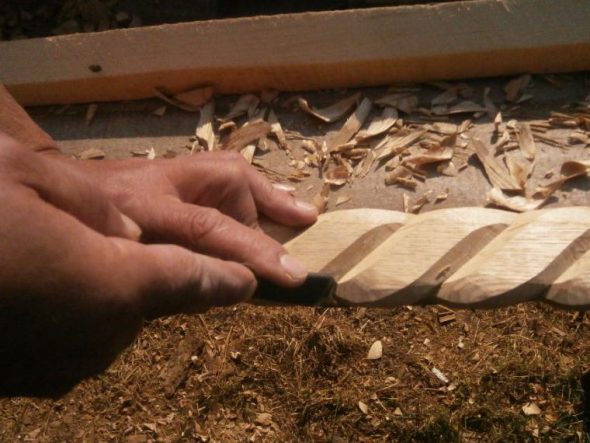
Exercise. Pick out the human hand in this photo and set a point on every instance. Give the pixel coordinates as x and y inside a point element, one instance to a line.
<point>75,286</point>
<point>209,203</point>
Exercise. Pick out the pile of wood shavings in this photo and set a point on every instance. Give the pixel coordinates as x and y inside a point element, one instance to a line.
<point>407,148</point>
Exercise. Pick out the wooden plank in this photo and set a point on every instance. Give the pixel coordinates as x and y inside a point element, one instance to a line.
<point>461,257</point>
<point>304,51</point>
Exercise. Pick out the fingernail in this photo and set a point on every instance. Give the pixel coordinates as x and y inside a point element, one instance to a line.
<point>293,267</point>
<point>283,187</point>
<point>132,229</point>
<point>307,207</point>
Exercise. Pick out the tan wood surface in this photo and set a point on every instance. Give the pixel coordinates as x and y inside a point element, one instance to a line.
<point>470,257</point>
<point>304,51</point>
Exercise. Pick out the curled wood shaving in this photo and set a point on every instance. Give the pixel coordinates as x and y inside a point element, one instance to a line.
<point>204,131</point>
<point>516,203</point>
<point>496,173</point>
<point>379,124</point>
<point>515,86</point>
<point>245,105</point>
<point>330,113</point>
<point>351,126</point>
<point>526,141</point>
<point>406,103</point>
<point>569,170</point>
<point>247,134</point>
<point>518,170</point>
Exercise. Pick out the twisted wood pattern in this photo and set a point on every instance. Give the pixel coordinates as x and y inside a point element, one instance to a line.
<point>471,257</point>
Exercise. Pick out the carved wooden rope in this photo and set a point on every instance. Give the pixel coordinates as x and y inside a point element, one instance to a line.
<point>472,257</point>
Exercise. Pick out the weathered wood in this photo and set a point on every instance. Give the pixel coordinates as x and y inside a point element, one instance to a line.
<point>304,51</point>
<point>471,257</point>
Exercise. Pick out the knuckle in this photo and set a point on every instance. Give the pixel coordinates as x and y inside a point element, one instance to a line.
<point>202,222</point>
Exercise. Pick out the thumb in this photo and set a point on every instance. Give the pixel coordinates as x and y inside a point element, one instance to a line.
<point>171,280</point>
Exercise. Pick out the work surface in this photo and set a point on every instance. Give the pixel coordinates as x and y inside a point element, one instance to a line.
<point>302,374</point>
<point>120,129</point>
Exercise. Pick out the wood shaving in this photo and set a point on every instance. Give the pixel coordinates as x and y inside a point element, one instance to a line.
<point>441,196</point>
<point>320,200</point>
<point>526,141</point>
<point>395,146</point>
<point>151,154</point>
<point>519,171</point>
<point>515,86</point>
<point>569,170</point>
<point>248,153</point>
<point>420,202</point>
<point>277,131</point>
<point>197,97</point>
<point>91,154</point>
<point>447,168</point>
<point>375,351</point>
<point>204,132</point>
<point>406,202</point>
<point>160,111</point>
<point>342,199</point>
<point>247,134</point>
<point>577,138</point>
<point>433,156</point>
<point>364,166</point>
<point>464,107</point>
<point>497,122</point>
<point>172,100</point>
<point>516,203</point>
<point>491,108</point>
<point>447,97</point>
<point>379,124</point>
<point>331,113</point>
<point>497,174</point>
<point>245,105</point>
<point>351,126</point>
<point>401,176</point>
<point>90,113</point>
<point>406,103</point>
<point>337,176</point>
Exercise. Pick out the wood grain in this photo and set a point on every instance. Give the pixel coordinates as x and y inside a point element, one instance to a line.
<point>470,257</point>
<point>378,46</point>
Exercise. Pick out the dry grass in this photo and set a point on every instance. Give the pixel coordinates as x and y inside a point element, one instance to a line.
<point>307,369</point>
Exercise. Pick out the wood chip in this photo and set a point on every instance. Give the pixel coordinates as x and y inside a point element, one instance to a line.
<point>91,154</point>
<point>337,176</point>
<point>90,113</point>
<point>464,107</point>
<point>263,419</point>
<point>364,166</point>
<point>248,153</point>
<point>277,131</point>
<point>497,174</point>
<point>406,202</point>
<point>447,168</point>
<point>395,146</point>
<point>406,103</point>
<point>515,86</point>
<point>197,97</point>
<point>344,198</point>
<point>320,200</point>
<point>351,126</point>
<point>420,202</point>
<point>185,106</point>
<point>441,196</point>
<point>245,105</point>
<point>331,113</point>
<point>204,132</point>
<point>401,176</point>
<point>569,170</point>
<point>363,407</point>
<point>525,140</point>
<point>428,157</point>
<point>531,408</point>
<point>160,111</point>
<point>379,124</point>
<point>516,203</point>
<point>375,351</point>
<point>247,134</point>
<point>446,317</point>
